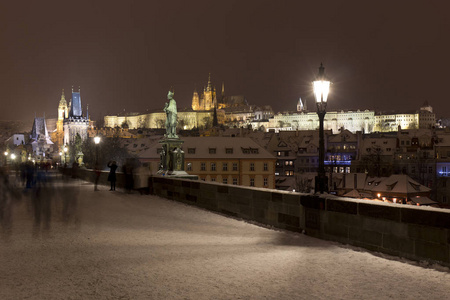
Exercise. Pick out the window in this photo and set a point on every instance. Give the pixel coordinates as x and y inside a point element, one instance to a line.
<point>225,167</point>
<point>225,180</point>
<point>235,166</point>
<point>212,150</point>
<point>266,181</point>
<point>286,163</point>
<point>213,166</point>
<point>266,167</point>
<point>235,181</point>
<point>191,150</point>
<point>279,153</point>
<point>388,149</point>
<point>229,150</point>
<point>202,166</point>
<point>252,166</point>
<point>189,167</point>
<point>252,181</point>
<point>430,170</point>
<point>213,179</point>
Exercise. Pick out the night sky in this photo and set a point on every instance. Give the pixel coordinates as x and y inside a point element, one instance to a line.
<point>383,55</point>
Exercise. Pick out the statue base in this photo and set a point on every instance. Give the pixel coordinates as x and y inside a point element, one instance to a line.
<point>172,159</point>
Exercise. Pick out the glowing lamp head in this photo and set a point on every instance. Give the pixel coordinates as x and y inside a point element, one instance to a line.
<point>6,153</point>
<point>97,140</point>
<point>13,156</point>
<point>321,86</point>
<point>65,149</point>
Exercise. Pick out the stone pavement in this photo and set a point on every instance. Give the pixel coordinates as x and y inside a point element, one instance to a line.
<point>65,241</point>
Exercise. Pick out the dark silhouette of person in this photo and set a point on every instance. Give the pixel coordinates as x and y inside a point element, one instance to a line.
<point>112,174</point>
<point>128,174</point>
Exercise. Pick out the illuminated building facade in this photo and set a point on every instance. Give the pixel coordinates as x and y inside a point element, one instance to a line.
<point>75,123</point>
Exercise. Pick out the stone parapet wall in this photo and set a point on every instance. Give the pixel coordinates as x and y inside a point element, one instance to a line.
<point>416,233</point>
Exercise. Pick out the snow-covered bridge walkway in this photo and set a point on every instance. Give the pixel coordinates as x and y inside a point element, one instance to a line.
<point>74,243</point>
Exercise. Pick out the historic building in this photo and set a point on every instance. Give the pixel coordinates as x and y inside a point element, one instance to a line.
<point>63,113</point>
<point>230,110</point>
<point>40,140</point>
<point>366,121</point>
<point>228,160</point>
<point>75,123</point>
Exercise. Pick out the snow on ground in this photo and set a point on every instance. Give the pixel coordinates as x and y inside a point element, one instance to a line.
<point>112,245</point>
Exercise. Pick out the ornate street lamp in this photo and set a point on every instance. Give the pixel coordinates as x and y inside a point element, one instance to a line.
<point>321,89</point>
<point>96,167</point>
<point>96,141</point>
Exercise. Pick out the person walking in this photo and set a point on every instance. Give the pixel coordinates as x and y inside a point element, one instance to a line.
<point>112,174</point>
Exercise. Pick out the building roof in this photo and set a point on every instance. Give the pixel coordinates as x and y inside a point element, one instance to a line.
<point>214,147</point>
<point>400,184</point>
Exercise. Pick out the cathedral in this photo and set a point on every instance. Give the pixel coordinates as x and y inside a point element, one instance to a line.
<point>207,100</point>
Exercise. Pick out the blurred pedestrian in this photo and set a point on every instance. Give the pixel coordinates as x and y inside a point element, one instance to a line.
<point>112,174</point>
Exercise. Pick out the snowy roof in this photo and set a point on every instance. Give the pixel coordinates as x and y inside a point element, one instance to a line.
<point>402,184</point>
<point>214,147</point>
<point>422,200</point>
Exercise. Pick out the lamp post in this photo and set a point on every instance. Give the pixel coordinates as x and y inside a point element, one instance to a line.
<point>321,89</point>
<point>60,158</point>
<point>96,168</point>
<point>96,141</point>
<point>6,157</point>
<point>65,153</point>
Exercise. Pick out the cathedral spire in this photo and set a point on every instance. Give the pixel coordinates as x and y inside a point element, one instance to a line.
<point>209,82</point>
<point>63,97</point>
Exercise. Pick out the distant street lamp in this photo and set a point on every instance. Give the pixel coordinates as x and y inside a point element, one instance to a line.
<point>96,167</point>
<point>321,89</point>
<point>60,157</point>
<point>65,149</point>
<point>6,157</point>
<point>96,141</point>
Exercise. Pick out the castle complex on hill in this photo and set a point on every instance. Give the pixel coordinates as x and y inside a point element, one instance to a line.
<point>235,111</point>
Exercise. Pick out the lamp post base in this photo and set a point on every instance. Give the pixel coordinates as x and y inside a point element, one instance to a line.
<point>321,184</point>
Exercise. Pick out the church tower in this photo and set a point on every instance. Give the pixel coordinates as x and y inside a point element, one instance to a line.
<point>63,113</point>
<point>195,101</point>
<point>75,123</point>
<point>301,107</point>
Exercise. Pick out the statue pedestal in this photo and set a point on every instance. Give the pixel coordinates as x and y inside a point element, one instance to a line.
<point>172,159</point>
